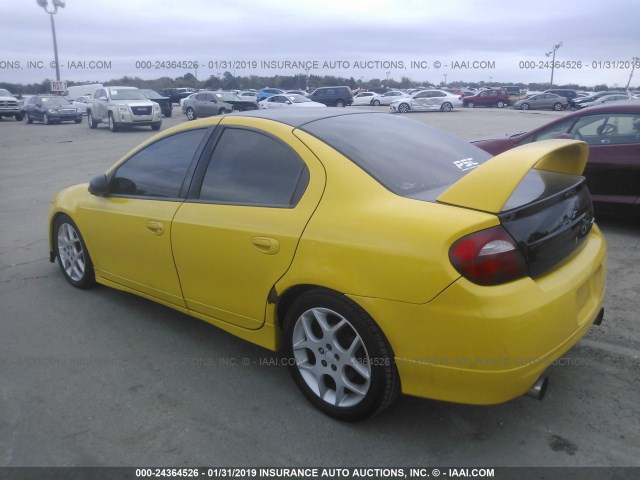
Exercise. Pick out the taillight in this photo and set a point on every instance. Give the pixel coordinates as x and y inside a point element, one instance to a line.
<point>488,257</point>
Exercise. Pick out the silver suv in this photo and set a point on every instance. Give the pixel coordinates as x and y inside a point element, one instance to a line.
<point>123,107</point>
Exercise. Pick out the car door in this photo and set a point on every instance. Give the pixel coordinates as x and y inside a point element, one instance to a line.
<point>32,110</point>
<point>237,233</point>
<point>130,227</point>
<point>99,106</point>
<point>205,105</point>
<point>613,168</point>
<point>420,101</point>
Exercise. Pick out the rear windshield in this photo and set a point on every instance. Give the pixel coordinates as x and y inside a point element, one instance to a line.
<point>407,157</point>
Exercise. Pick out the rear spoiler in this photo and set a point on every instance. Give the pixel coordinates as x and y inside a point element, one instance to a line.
<point>489,186</point>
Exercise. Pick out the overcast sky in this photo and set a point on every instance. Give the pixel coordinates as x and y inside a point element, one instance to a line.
<point>458,34</point>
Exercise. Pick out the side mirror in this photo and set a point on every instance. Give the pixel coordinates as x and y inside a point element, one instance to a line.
<point>99,186</point>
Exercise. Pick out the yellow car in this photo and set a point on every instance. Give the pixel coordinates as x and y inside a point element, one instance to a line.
<point>379,254</point>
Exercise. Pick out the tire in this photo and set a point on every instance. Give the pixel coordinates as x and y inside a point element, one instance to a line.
<point>470,104</point>
<point>403,108</point>
<point>156,126</point>
<point>500,104</point>
<point>72,254</point>
<point>45,119</point>
<point>112,123</point>
<point>222,111</point>
<point>191,114</point>
<point>28,119</point>
<point>168,113</point>
<point>18,116</point>
<point>446,107</point>
<point>92,123</point>
<point>78,120</point>
<point>340,103</point>
<point>376,103</point>
<point>524,106</point>
<point>557,106</point>
<point>338,357</point>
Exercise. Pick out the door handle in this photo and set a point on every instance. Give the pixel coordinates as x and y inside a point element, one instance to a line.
<point>266,245</point>
<point>154,227</point>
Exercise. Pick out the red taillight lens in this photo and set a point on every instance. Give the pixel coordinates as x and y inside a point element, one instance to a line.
<point>488,257</point>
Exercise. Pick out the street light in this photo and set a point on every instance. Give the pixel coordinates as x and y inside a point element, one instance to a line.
<point>445,79</point>
<point>56,4</point>
<point>388,73</point>
<point>634,60</point>
<point>553,60</point>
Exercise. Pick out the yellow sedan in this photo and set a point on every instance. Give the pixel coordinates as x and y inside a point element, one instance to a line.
<point>379,254</point>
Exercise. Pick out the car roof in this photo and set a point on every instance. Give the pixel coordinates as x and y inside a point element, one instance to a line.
<point>623,106</point>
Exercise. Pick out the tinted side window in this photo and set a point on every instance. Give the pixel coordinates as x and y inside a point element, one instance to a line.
<point>159,169</point>
<point>249,168</point>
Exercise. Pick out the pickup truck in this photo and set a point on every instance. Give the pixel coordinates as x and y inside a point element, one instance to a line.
<point>122,107</point>
<point>10,106</point>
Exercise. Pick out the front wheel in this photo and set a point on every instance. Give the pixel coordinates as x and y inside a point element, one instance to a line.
<point>156,126</point>
<point>446,107</point>
<point>403,108</point>
<point>500,104</point>
<point>338,357</point>
<point>27,118</point>
<point>525,106</point>
<point>470,104</point>
<point>376,103</point>
<point>45,119</point>
<point>72,254</point>
<point>557,106</point>
<point>18,116</point>
<point>92,123</point>
<point>191,114</point>
<point>340,103</point>
<point>112,123</point>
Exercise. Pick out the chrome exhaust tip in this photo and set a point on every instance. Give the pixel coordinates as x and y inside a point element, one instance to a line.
<point>539,388</point>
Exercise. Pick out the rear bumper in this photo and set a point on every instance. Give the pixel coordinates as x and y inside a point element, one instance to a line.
<point>487,345</point>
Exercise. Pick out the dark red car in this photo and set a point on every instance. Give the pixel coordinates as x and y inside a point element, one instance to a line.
<point>495,97</point>
<point>612,132</point>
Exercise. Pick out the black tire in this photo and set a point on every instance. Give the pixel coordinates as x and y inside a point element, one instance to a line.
<point>557,106</point>
<point>18,116</point>
<point>524,106</point>
<point>72,254</point>
<point>28,119</point>
<point>500,104</point>
<point>340,103</point>
<point>45,119</point>
<point>156,126</point>
<point>112,123</point>
<point>191,114</point>
<point>352,365</point>
<point>168,113</point>
<point>78,120</point>
<point>222,111</point>
<point>90,121</point>
<point>446,107</point>
<point>376,103</point>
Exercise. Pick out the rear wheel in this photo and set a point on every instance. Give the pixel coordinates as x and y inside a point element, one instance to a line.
<point>446,107</point>
<point>500,104</point>
<point>338,357</point>
<point>72,254</point>
<point>340,103</point>
<point>557,106</point>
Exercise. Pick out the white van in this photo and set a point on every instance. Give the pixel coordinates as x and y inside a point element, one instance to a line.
<point>72,93</point>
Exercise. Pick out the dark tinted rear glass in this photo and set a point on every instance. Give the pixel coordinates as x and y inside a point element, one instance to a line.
<point>407,157</point>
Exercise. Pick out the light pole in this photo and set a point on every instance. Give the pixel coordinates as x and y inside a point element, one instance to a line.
<point>634,60</point>
<point>553,60</point>
<point>56,4</point>
<point>445,79</point>
<point>306,80</point>
<point>388,73</point>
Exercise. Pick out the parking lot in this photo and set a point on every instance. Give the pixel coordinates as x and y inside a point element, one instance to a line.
<point>105,378</point>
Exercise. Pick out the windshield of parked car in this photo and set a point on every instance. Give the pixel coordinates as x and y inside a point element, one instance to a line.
<point>4,93</point>
<point>295,98</point>
<point>407,157</point>
<point>151,94</point>
<point>55,102</point>
<point>228,97</point>
<point>127,95</point>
